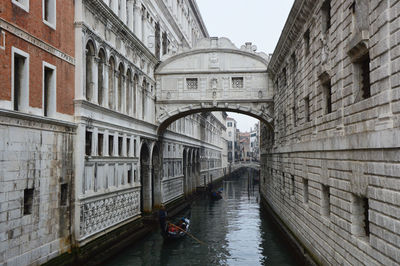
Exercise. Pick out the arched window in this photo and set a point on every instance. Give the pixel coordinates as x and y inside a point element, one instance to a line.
<point>111,76</point>
<point>120,87</point>
<point>135,86</point>
<point>89,70</point>
<point>100,76</point>
<point>144,84</point>
<point>129,95</point>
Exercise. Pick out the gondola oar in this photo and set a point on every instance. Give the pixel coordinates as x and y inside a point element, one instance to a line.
<point>192,236</point>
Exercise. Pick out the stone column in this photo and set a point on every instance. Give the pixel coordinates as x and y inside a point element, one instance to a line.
<point>144,29</point>
<point>130,7</point>
<point>123,11</point>
<point>123,94</point>
<point>114,6</point>
<point>115,87</point>
<point>137,16</point>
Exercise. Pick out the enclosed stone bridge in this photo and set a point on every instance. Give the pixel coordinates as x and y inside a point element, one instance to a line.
<point>214,76</point>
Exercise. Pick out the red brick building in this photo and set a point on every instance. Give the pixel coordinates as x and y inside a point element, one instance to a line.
<point>37,42</point>
<point>37,64</point>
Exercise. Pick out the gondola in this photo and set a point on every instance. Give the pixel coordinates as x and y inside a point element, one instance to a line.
<point>216,195</point>
<point>178,230</point>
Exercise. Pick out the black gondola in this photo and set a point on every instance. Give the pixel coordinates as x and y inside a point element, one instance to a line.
<point>178,230</point>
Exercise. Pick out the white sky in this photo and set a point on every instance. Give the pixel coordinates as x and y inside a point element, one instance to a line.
<point>257,21</point>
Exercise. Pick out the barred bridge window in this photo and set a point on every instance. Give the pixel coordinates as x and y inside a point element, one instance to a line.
<point>191,84</point>
<point>237,83</point>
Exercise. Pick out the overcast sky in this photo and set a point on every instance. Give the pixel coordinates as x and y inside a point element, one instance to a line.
<point>257,21</point>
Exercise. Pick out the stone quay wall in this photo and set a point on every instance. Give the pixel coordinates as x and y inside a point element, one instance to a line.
<point>331,170</point>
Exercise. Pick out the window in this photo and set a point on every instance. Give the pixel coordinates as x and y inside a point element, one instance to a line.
<point>130,175</point>
<point>120,146</point>
<point>284,76</point>
<point>326,16</point>
<point>237,83</point>
<point>110,145</point>
<point>100,140</point>
<point>64,195</point>
<point>292,184</point>
<point>362,79</point>
<point>88,143</point>
<point>327,94</point>
<point>128,146</point>
<point>89,64</point>
<point>229,124</point>
<point>134,147</point>
<point>49,13</point>
<point>2,39</point>
<point>359,216</point>
<point>49,90</point>
<point>28,201</point>
<point>24,4</point>
<point>20,80</point>
<point>294,63</point>
<point>325,201</point>
<point>230,134</point>
<point>306,37</point>
<point>294,116</point>
<point>191,83</point>
<point>305,190</point>
<point>307,108</point>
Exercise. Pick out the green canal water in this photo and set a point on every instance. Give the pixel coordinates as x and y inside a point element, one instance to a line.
<point>235,230</point>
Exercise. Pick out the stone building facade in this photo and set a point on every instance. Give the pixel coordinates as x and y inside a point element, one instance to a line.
<point>37,61</point>
<point>124,166</point>
<point>330,170</point>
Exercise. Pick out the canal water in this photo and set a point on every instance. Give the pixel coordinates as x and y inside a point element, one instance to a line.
<point>233,231</point>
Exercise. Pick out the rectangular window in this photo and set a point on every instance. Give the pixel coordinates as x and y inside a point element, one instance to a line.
<point>20,80</point>
<point>362,79</point>
<point>49,90</point>
<point>49,13</point>
<point>110,145</point>
<point>325,201</point>
<point>326,16</point>
<point>294,116</point>
<point>360,216</point>
<point>88,143</point>
<point>2,39</point>
<point>100,141</point>
<point>134,147</point>
<point>130,175</point>
<point>292,184</point>
<point>191,83</point>
<point>305,191</point>
<point>64,195</point>
<point>306,37</point>
<point>120,145</point>
<point>28,201</point>
<point>24,4</point>
<point>284,77</point>
<point>128,146</point>
<point>294,63</point>
<point>229,124</point>
<point>327,94</point>
<point>307,108</point>
<point>237,83</point>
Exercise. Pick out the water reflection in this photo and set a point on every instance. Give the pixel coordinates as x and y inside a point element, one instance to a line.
<point>232,229</point>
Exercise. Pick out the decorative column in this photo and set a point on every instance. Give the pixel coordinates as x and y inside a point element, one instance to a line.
<point>130,6</point>
<point>123,11</point>
<point>137,17</point>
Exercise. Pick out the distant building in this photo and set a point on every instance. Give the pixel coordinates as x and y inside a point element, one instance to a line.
<point>255,142</point>
<point>245,151</point>
<point>231,138</point>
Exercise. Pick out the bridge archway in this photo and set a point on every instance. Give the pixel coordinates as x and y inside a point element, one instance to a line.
<point>214,76</point>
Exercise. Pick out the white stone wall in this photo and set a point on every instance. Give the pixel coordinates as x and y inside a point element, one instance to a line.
<point>35,153</point>
<point>316,171</point>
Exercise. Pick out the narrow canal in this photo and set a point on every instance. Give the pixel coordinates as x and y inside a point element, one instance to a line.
<point>235,231</point>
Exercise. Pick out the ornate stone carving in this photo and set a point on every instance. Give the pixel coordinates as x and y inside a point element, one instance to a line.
<point>99,214</point>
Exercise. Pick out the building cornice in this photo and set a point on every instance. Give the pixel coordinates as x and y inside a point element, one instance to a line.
<point>298,17</point>
<point>200,20</point>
